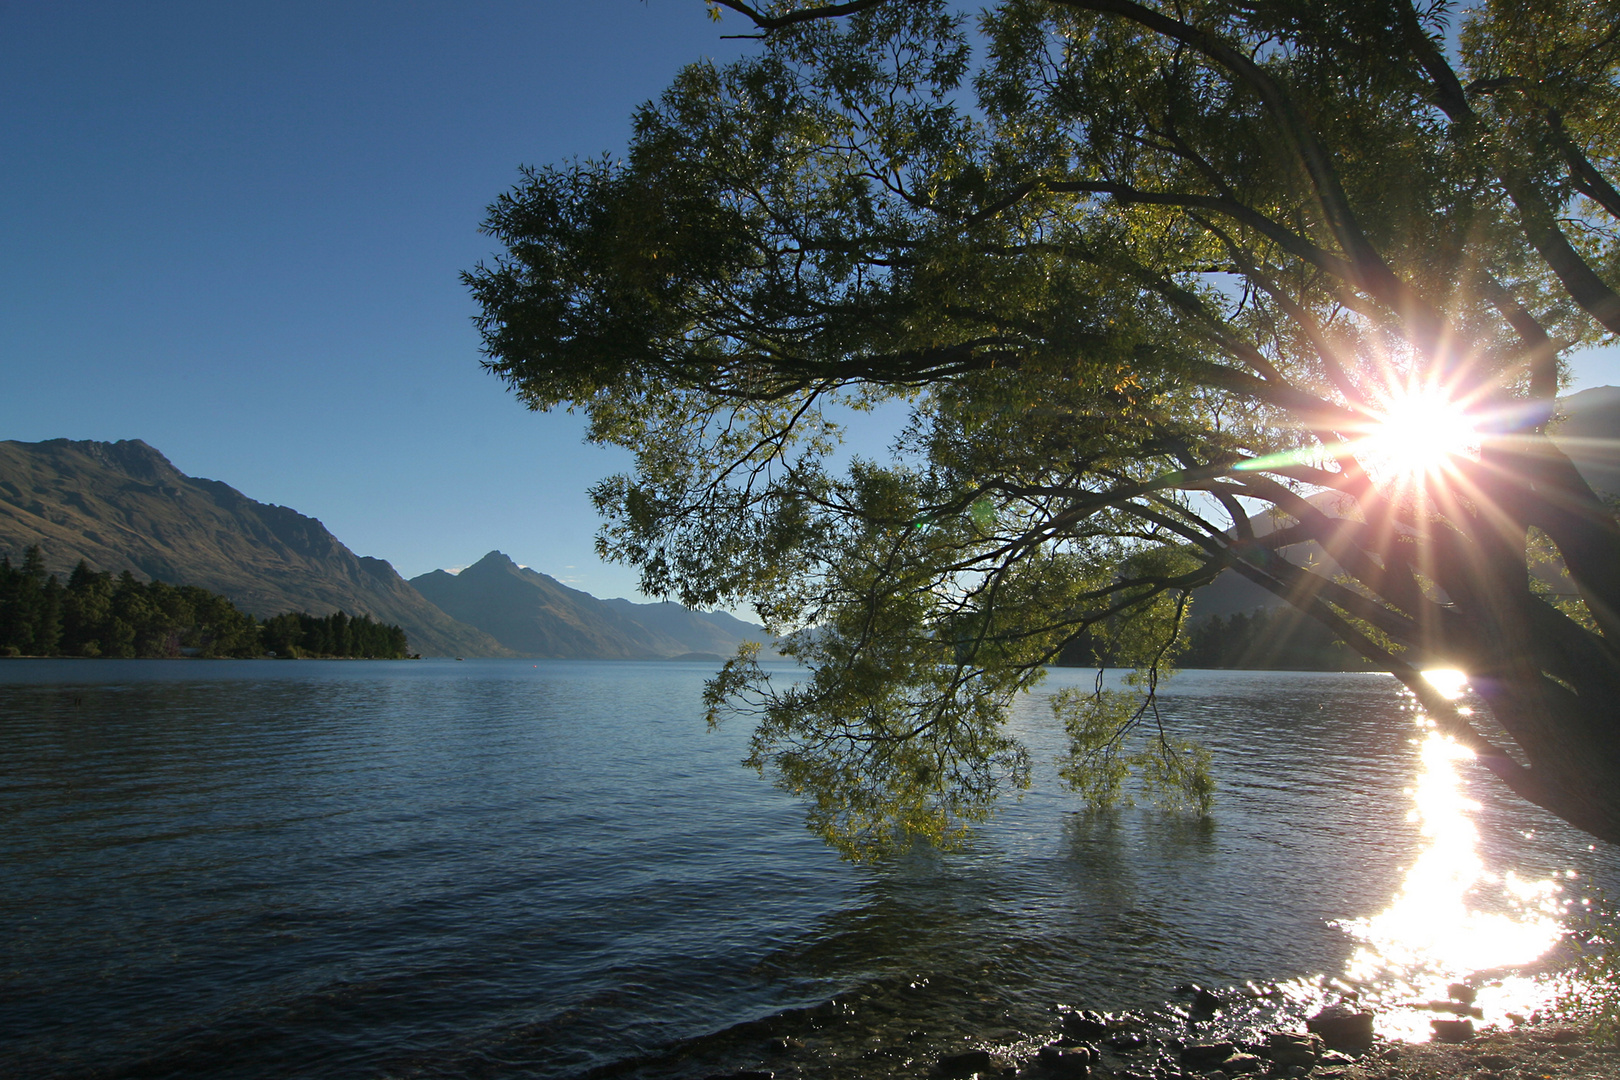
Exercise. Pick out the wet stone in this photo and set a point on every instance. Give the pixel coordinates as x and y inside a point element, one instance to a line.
<point>1462,992</point>
<point>1342,1027</point>
<point>966,1063</point>
<point>1291,1049</point>
<point>1075,1061</point>
<point>1243,1064</point>
<point>1201,1055</point>
<point>1085,1025</point>
<point>1452,1031</point>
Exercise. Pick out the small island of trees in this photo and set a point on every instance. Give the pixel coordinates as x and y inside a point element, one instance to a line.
<point>98,614</point>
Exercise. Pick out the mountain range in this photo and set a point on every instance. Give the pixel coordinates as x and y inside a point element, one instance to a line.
<point>536,615</point>
<point>123,506</point>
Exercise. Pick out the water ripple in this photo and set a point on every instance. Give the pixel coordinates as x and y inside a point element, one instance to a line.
<point>508,868</point>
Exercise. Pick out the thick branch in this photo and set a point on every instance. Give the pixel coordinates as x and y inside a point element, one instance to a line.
<point>1367,267</point>
<point>776,22</point>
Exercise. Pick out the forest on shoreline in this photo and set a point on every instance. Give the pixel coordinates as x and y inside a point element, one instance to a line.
<point>96,614</point>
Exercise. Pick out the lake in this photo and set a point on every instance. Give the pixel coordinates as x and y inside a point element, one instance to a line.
<point>553,869</point>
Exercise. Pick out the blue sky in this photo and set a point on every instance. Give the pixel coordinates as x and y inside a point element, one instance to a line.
<point>234,230</point>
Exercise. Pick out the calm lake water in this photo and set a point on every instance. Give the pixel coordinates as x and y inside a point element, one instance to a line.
<point>552,869</point>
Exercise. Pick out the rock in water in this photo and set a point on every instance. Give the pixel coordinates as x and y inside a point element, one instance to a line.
<point>1343,1028</point>
<point>1288,1048</point>
<point>1070,1061</point>
<point>1201,1056</point>
<point>965,1064</point>
<point>1085,1025</point>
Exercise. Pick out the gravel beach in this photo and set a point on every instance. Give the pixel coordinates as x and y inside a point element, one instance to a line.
<point>1529,1053</point>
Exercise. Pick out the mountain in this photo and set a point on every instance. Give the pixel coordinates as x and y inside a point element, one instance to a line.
<point>711,632</point>
<point>123,506</point>
<point>1587,429</point>
<point>1589,432</point>
<point>536,615</point>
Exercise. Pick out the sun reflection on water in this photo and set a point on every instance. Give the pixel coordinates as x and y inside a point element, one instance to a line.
<point>1453,918</point>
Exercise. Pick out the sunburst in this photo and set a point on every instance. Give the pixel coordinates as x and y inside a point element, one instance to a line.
<point>1417,431</point>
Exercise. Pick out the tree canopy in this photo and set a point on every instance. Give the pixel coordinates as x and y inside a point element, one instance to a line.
<point>1168,290</point>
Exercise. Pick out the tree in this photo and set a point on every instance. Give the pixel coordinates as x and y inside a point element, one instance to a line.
<point>1168,290</point>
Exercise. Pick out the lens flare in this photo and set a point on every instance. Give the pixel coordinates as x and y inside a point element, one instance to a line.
<point>1417,430</point>
<point>1449,681</point>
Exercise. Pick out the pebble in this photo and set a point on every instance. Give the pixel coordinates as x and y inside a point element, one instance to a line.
<point>966,1063</point>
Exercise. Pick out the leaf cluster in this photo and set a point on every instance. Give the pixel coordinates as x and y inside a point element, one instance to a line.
<point>1141,275</point>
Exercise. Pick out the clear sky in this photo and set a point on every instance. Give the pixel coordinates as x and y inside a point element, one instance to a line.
<point>234,230</point>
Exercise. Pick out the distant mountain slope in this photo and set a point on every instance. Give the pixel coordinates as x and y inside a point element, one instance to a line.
<point>536,615</point>
<point>1589,432</point>
<point>696,631</point>
<point>122,506</point>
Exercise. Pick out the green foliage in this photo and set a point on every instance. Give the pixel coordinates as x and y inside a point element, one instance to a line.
<point>1550,580</point>
<point>1141,276</point>
<point>1592,995</point>
<point>96,614</point>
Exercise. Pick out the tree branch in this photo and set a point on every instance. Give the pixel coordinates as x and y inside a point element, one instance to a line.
<point>776,22</point>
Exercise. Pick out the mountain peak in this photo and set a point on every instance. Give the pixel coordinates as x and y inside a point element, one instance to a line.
<point>536,615</point>
<point>124,506</point>
<point>496,563</point>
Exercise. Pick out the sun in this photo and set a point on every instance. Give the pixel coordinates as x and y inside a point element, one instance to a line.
<point>1417,431</point>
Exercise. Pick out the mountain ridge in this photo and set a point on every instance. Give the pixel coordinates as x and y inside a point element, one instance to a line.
<point>534,614</point>
<point>124,506</point>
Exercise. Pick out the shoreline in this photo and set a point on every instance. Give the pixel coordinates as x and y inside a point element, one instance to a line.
<point>1531,1052</point>
<point>1121,1046</point>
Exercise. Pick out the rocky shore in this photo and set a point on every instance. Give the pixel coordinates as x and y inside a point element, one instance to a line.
<point>1529,1053</point>
<point>1338,1042</point>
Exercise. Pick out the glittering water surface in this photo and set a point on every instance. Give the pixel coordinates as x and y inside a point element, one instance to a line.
<point>509,868</point>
